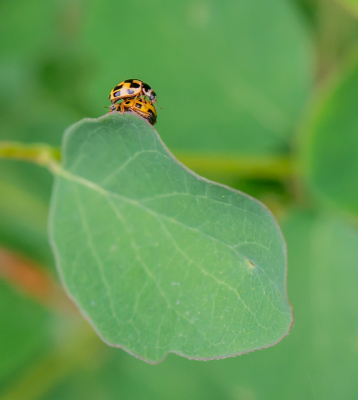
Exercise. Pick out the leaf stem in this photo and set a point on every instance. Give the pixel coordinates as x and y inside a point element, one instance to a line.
<point>268,167</point>
<point>38,153</point>
<point>274,167</point>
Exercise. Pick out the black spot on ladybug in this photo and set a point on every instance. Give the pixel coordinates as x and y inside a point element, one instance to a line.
<point>151,112</point>
<point>130,91</point>
<point>118,87</point>
<point>146,87</point>
<point>138,105</point>
<point>135,85</point>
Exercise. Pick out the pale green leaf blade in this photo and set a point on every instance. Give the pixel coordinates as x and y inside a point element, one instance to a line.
<point>159,259</point>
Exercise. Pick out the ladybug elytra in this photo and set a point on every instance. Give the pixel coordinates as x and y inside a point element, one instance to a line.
<point>132,88</point>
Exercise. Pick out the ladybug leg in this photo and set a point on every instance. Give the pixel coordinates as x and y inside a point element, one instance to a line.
<point>113,107</point>
<point>117,107</point>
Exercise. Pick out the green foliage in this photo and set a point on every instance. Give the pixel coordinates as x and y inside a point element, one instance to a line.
<point>214,67</point>
<point>350,5</point>
<point>233,79</point>
<point>22,338</point>
<point>24,208</point>
<point>331,148</point>
<point>159,259</point>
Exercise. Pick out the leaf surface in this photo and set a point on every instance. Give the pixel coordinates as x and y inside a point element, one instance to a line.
<point>159,259</point>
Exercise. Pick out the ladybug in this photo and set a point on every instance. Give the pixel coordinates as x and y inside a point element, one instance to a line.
<point>132,88</point>
<point>141,107</point>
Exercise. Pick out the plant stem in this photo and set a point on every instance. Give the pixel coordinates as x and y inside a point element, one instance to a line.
<point>267,167</point>
<point>38,153</point>
<point>272,167</point>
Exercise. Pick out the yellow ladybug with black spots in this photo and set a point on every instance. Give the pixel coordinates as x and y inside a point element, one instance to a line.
<point>144,108</point>
<point>132,88</point>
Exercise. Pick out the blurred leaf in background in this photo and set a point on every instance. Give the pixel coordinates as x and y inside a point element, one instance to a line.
<point>330,143</point>
<point>232,77</point>
<point>350,5</point>
<point>24,331</point>
<point>31,110</point>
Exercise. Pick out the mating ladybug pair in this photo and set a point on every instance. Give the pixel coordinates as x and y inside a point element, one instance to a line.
<point>130,95</point>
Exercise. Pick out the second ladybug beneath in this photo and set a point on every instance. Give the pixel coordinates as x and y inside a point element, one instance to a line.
<point>141,107</point>
<point>132,88</point>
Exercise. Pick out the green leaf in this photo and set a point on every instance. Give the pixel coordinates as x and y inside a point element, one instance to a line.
<point>159,259</point>
<point>329,152</point>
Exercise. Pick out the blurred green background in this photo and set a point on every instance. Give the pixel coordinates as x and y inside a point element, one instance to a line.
<point>255,94</point>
